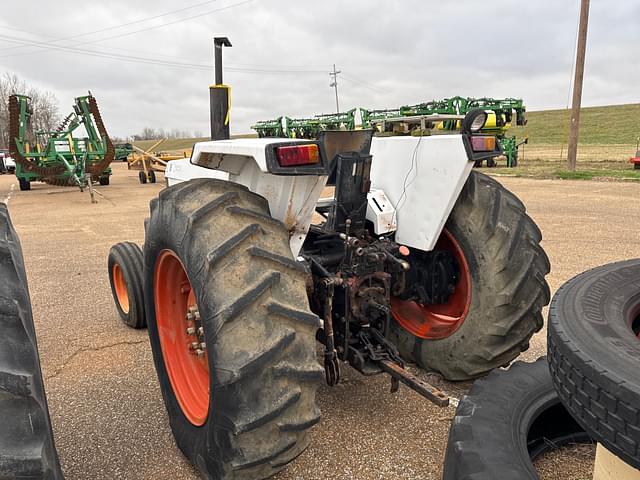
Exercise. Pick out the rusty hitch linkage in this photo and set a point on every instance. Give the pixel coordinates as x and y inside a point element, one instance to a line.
<point>386,355</point>
<point>331,365</point>
<point>425,389</point>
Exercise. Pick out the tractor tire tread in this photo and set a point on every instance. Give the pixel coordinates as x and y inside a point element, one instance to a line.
<point>27,448</point>
<point>260,331</point>
<point>510,270</point>
<point>593,355</point>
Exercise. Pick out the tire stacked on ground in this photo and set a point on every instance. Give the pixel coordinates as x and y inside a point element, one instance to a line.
<point>505,421</point>
<point>501,245</point>
<point>27,449</point>
<point>594,354</point>
<point>235,260</point>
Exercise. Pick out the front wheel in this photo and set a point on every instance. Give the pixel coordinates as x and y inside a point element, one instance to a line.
<point>499,294</point>
<point>25,185</point>
<point>232,335</point>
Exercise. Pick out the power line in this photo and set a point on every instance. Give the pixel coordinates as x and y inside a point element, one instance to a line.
<point>113,27</point>
<point>153,27</point>
<point>153,61</point>
<point>41,44</point>
<point>362,83</point>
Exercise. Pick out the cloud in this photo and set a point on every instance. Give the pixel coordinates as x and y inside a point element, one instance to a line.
<point>390,53</point>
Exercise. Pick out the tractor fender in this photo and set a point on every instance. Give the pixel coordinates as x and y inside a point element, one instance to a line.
<point>292,198</point>
<point>422,177</point>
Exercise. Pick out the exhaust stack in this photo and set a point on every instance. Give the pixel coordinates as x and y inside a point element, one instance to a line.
<point>219,95</point>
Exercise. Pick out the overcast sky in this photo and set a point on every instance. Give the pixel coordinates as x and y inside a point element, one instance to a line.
<point>390,53</point>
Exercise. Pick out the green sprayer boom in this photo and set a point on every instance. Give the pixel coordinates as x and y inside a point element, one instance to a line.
<point>60,157</point>
<point>306,127</point>
<point>506,112</point>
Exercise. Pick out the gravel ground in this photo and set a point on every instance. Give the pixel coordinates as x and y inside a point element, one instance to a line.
<point>107,413</point>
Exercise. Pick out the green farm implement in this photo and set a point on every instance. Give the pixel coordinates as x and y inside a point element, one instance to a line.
<point>419,119</point>
<point>269,128</point>
<point>306,127</point>
<point>504,113</point>
<point>60,157</point>
<point>122,151</point>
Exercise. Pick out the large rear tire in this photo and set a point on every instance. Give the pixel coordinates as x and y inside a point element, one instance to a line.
<point>240,405</point>
<point>27,450</point>
<point>507,268</point>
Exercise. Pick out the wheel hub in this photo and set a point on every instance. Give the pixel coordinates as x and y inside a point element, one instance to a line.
<point>182,337</point>
<point>438,320</point>
<point>120,287</point>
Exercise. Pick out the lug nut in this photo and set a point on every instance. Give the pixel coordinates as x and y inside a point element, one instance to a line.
<point>203,345</point>
<point>194,345</point>
<point>191,331</point>
<point>199,352</point>
<point>201,331</point>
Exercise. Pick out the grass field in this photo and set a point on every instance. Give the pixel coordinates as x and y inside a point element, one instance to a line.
<point>610,125</point>
<point>178,145</point>
<point>608,137</point>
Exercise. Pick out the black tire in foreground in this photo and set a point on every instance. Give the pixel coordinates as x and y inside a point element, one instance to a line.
<point>27,450</point>
<point>507,266</point>
<point>125,276</point>
<point>505,421</point>
<point>240,385</point>
<point>594,354</point>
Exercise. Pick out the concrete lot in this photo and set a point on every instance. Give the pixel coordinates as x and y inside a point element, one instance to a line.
<point>107,413</point>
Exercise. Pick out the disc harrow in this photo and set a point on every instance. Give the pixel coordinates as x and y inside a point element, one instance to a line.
<point>59,157</point>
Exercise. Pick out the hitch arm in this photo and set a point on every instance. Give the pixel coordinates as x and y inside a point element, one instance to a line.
<point>425,389</point>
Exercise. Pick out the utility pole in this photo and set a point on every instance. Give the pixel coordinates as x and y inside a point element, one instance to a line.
<point>334,84</point>
<point>574,124</point>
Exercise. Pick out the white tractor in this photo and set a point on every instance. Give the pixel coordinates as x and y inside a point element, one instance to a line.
<point>386,250</point>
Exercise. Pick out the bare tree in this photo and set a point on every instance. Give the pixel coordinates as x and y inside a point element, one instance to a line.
<point>149,133</point>
<point>45,115</point>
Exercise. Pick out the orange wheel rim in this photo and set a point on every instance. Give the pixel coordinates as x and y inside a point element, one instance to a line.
<point>186,363</point>
<point>438,321</point>
<point>120,286</point>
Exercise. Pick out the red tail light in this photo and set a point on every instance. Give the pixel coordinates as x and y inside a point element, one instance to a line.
<point>483,144</point>
<point>295,155</point>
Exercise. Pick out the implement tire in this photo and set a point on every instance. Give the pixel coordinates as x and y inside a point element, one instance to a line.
<point>505,421</point>
<point>125,276</point>
<point>506,266</point>
<point>594,354</point>
<point>239,406</point>
<point>27,450</point>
